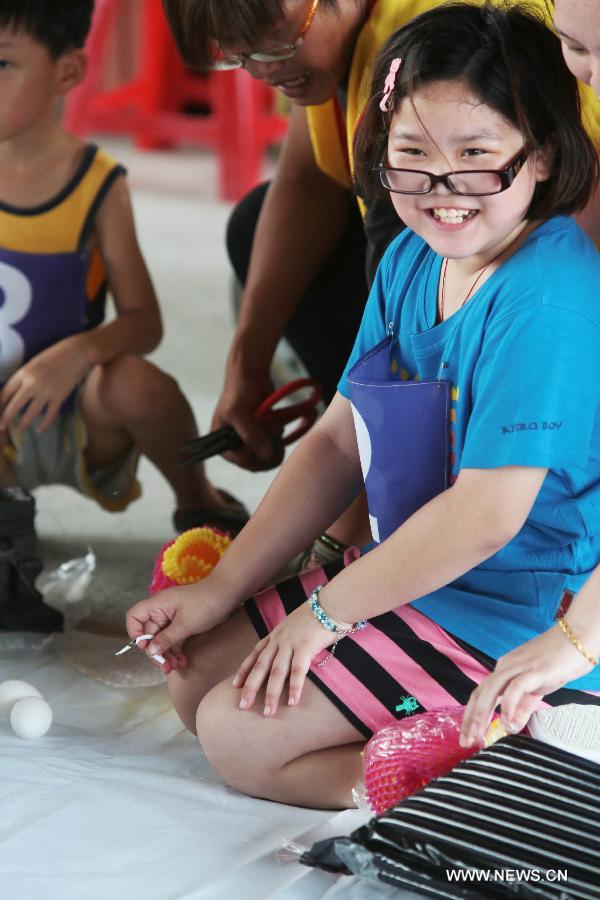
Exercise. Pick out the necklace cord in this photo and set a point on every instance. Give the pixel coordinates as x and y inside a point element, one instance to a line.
<point>471,289</point>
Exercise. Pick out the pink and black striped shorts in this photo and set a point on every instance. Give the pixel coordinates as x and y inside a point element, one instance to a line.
<point>401,664</point>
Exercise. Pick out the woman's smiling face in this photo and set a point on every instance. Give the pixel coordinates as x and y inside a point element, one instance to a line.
<point>447,128</point>
<point>313,74</point>
<point>577,23</point>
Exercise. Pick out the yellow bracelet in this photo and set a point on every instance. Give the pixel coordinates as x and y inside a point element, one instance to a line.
<point>576,642</point>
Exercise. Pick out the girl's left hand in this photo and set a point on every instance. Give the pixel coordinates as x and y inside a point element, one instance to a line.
<point>287,651</point>
<point>520,681</point>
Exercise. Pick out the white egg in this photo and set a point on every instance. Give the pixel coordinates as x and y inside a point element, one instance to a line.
<point>13,690</point>
<point>31,717</point>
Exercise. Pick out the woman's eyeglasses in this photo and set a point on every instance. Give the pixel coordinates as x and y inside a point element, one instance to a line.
<point>273,54</point>
<point>468,183</point>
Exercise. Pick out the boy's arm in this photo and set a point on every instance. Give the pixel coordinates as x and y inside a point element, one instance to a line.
<point>137,328</point>
<point>43,383</point>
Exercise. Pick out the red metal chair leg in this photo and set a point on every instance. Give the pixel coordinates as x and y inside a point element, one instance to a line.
<point>239,123</point>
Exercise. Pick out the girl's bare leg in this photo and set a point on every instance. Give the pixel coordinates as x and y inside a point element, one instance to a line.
<point>308,755</point>
<point>212,657</point>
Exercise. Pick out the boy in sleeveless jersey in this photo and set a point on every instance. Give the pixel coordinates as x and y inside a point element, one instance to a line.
<point>78,401</point>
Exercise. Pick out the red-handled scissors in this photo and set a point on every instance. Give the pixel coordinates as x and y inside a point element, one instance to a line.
<point>227,438</point>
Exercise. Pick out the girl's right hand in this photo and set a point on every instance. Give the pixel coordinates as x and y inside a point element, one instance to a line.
<point>172,616</point>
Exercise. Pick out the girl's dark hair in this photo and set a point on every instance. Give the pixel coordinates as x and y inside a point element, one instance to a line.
<point>513,63</point>
<point>61,25</point>
<point>199,24</point>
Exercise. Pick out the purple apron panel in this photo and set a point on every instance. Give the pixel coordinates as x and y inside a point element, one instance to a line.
<point>402,430</point>
<point>42,301</point>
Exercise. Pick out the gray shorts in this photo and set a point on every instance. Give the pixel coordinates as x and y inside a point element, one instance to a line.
<point>57,457</point>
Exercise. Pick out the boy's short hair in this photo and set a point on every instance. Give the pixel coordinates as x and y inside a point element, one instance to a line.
<point>513,63</point>
<point>198,25</point>
<point>59,25</point>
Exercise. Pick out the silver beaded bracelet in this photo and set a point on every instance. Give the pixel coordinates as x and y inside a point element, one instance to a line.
<point>340,629</point>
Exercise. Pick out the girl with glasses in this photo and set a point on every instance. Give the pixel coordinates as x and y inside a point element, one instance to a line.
<point>302,247</point>
<point>546,662</point>
<point>490,298</point>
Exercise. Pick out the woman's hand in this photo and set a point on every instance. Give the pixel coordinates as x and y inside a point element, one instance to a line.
<point>242,392</point>
<point>519,682</point>
<point>173,616</point>
<point>286,652</point>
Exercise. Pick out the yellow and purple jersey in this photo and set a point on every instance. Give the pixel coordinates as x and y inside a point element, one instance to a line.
<point>52,276</point>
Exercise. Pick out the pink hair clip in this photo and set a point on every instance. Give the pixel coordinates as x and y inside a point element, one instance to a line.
<point>390,83</point>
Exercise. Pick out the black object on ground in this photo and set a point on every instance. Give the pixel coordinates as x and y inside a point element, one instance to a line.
<point>21,605</point>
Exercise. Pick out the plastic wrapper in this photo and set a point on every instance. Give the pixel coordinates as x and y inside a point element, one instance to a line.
<point>289,851</point>
<point>93,654</point>
<point>407,755</point>
<point>357,859</point>
<point>66,588</point>
<point>356,888</point>
<point>359,795</point>
<point>24,642</point>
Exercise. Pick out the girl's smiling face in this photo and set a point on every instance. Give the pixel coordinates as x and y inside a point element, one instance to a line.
<point>577,23</point>
<point>448,128</point>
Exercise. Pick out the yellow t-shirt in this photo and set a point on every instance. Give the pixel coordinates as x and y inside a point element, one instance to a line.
<point>332,130</point>
<point>590,113</point>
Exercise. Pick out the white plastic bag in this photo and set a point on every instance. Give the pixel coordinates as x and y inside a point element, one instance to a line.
<point>66,588</point>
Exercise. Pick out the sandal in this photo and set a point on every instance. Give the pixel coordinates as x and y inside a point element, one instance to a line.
<point>229,520</point>
<point>323,550</point>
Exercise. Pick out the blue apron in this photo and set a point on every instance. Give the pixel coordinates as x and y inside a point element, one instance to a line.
<point>402,430</point>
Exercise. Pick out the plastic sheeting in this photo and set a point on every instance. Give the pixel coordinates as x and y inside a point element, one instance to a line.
<point>117,801</point>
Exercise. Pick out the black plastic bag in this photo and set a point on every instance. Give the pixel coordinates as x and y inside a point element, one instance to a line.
<point>21,604</point>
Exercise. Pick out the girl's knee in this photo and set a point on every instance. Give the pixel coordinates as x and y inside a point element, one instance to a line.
<point>221,730</point>
<point>188,686</point>
<point>217,738</point>
<point>183,699</point>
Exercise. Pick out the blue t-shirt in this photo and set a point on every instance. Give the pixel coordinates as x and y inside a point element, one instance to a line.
<point>523,357</point>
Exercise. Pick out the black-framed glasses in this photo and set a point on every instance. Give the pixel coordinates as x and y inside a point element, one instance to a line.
<point>467,183</point>
<point>272,54</point>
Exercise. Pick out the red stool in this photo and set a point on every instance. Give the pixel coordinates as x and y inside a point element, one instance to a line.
<point>239,122</point>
